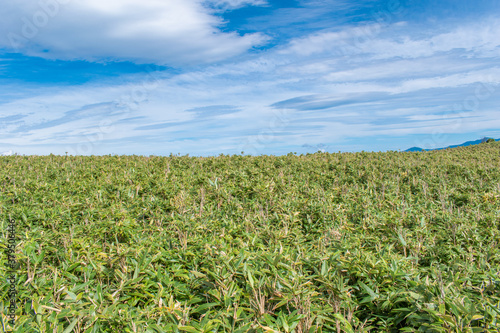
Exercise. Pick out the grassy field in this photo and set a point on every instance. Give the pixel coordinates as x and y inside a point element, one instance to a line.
<point>352,242</point>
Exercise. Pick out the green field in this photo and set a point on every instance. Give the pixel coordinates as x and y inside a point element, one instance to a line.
<point>351,242</point>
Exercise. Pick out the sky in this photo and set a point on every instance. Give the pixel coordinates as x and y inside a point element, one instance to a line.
<point>262,77</point>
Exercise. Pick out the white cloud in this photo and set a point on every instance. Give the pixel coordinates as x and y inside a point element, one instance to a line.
<point>8,153</point>
<point>491,77</point>
<point>401,68</point>
<point>150,31</point>
<point>385,42</point>
<point>232,4</point>
<point>335,43</point>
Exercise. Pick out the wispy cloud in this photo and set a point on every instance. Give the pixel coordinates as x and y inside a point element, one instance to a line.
<point>234,4</point>
<point>317,103</point>
<point>398,40</point>
<point>213,110</point>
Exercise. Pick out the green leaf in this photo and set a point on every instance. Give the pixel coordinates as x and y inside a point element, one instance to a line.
<point>203,307</point>
<point>198,274</point>
<point>401,239</point>
<point>189,329</point>
<point>368,290</point>
<point>71,326</point>
<point>348,328</point>
<point>250,279</point>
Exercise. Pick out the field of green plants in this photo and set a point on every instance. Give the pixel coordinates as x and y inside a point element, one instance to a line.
<point>347,242</point>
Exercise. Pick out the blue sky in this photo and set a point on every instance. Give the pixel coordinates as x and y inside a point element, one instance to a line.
<point>205,77</point>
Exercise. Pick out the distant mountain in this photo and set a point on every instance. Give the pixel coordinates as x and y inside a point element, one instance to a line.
<point>415,149</point>
<point>465,144</point>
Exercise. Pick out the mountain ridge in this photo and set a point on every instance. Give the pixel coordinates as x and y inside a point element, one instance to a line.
<point>465,144</point>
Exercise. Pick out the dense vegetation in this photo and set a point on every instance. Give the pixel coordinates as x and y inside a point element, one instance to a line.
<point>352,242</point>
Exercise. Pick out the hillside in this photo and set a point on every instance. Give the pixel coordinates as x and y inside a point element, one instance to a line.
<point>351,242</point>
<point>465,144</point>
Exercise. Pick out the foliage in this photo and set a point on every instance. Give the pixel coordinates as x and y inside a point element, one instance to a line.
<point>351,242</point>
